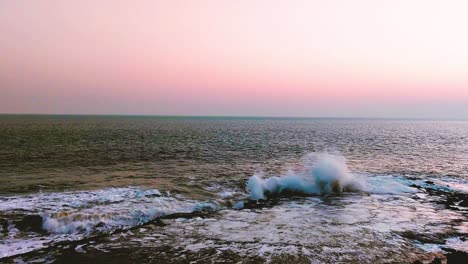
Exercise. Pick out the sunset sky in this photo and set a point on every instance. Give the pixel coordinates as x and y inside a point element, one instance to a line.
<point>318,58</point>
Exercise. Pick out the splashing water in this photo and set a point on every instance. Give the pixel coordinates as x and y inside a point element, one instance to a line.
<point>328,174</point>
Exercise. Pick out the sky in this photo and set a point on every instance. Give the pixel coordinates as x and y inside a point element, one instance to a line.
<point>316,58</point>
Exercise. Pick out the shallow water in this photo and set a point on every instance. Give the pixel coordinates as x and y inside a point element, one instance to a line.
<point>174,190</point>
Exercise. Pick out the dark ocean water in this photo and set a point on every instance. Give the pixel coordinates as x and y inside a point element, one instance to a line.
<point>174,189</point>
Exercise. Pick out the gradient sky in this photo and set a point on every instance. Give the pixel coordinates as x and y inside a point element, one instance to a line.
<point>340,58</point>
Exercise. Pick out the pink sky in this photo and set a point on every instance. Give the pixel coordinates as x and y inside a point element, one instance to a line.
<point>354,58</point>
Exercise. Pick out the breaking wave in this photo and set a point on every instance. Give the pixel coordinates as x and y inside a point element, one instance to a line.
<point>75,215</point>
<point>328,174</point>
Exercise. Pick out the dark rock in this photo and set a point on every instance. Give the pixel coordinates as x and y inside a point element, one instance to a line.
<point>456,256</point>
<point>288,258</point>
<point>464,203</point>
<point>447,198</point>
<point>436,261</point>
<point>434,238</point>
<point>251,204</point>
<point>4,226</point>
<point>31,223</point>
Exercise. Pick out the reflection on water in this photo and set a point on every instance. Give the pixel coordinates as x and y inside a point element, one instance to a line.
<point>174,190</point>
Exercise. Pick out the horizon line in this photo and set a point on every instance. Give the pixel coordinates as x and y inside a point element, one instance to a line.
<point>241,116</point>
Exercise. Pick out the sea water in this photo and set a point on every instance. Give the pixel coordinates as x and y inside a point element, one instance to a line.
<point>252,190</point>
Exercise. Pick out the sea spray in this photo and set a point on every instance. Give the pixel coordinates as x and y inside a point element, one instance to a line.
<point>328,174</point>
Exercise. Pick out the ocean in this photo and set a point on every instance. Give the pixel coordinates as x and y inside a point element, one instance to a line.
<point>141,189</point>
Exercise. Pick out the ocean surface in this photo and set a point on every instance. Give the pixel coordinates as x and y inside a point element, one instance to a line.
<point>146,189</point>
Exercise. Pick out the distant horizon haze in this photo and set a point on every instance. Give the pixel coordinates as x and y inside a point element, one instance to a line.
<point>278,58</point>
<point>189,116</point>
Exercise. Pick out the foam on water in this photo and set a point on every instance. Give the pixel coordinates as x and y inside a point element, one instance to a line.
<point>351,226</point>
<point>388,184</point>
<point>347,228</point>
<point>72,215</point>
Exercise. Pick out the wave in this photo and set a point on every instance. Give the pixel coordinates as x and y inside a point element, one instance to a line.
<point>328,174</point>
<point>76,215</point>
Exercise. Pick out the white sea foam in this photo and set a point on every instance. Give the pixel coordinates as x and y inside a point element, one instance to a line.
<point>388,184</point>
<point>328,174</point>
<point>72,215</point>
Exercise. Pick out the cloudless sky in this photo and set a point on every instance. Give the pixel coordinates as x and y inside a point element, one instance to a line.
<point>339,58</point>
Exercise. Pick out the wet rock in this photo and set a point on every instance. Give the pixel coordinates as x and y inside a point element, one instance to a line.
<point>288,258</point>
<point>30,223</point>
<point>425,238</point>
<point>434,261</point>
<point>456,256</point>
<point>250,204</point>
<point>464,203</point>
<point>4,226</point>
<point>447,198</point>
